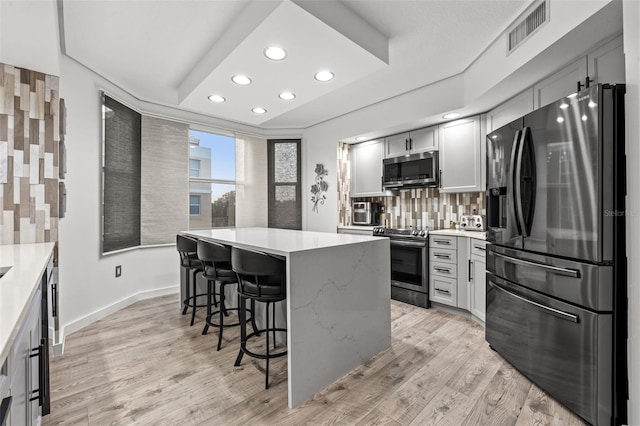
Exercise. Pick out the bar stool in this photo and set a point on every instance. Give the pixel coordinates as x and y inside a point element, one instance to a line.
<point>261,278</point>
<point>216,265</point>
<point>187,248</point>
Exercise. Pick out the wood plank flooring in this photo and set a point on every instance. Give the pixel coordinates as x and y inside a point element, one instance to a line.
<point>145,365</point>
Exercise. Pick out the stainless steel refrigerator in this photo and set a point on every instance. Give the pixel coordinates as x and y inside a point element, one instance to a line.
<point>556,265</point>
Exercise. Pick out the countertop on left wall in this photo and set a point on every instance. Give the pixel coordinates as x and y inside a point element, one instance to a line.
<point>27,263</point>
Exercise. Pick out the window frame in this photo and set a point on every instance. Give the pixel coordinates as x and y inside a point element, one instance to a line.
<point>199,204</point>
<point>272,184</point>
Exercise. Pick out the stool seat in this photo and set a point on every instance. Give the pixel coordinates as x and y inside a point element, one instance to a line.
<point>189,262</point>
<point>216,265</point>
<point>261,277</point>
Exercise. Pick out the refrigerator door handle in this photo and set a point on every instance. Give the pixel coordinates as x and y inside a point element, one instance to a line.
<point>517,183</point>
<point>555,312</point>
<point>512,178</point>
<point>553,269</point>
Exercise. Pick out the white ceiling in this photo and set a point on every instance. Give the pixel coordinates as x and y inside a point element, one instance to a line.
<point>177,53</point>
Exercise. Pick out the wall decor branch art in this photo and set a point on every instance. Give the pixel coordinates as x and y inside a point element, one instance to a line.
<point>319,189</point>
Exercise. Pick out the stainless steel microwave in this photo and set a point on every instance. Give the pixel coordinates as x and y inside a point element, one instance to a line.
<point>415,170</point>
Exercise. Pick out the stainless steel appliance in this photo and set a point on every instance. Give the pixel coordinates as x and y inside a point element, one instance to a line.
<point>415,170</point>
<point>556,268</point>
<point>366,213</point>
<point>409,264</point>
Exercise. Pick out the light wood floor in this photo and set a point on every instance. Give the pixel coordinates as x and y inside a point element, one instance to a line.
<point>145,365</point>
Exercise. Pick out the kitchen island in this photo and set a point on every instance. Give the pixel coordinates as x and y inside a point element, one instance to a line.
<point>338,300</point>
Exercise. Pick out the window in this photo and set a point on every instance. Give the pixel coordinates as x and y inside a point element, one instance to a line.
<point>285,203</point>
<point>194,205</point>
<point>121,176</point>
<point>194,168</point>
<point>213,157</point>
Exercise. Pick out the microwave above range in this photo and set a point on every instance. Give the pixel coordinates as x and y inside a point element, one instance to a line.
<point>415,170</point>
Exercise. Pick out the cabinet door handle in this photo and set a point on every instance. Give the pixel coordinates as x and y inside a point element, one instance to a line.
<point>443,291</point>
<point>479,248</point>
<point>37,352</point>
<point>445,242</point>
<point>470,277</point>
<point>406,144</point>
<point>443,270</point>
<point>410,143</point>
<point>5,407</point>
<point>442,256</point>
<point>586,84</point>
<point>54,298</point>
<point>440,183</point>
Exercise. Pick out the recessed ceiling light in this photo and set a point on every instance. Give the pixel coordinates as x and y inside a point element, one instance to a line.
<point>240,79</point>
<point>287,96</point>
<point>275,53</point>
<point>451,115</point>
<point>259,110</point>
<point>360,138</point>
<point>324,76</point>
<point>216,98</point>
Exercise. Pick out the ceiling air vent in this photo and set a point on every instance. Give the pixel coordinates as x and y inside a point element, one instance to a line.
<point>527,24</point>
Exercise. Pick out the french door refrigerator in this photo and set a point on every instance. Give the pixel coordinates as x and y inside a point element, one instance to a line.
<point>556,265</point>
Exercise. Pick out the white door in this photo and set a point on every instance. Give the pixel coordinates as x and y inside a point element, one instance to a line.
<point>366,168</point>
<point>606,64</point>
<point>560,84</point>
<point>396,145</point>
<point>478,286</point>
<point>510,110</point>
<point>461,155</point>
<point>424,140</point>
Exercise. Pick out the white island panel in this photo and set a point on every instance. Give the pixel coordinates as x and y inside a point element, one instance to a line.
<point>338,313</point>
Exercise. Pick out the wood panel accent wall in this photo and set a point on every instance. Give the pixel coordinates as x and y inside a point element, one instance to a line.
<point>29,154</point>
<point>417,208</point>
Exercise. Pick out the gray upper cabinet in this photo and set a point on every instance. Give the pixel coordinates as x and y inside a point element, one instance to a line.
<point>606,63</point>
<point>512,109</point>
<point>462,155</point>
<point>415,141</point>
<point>560,84</point>
<point>602,65</point>
<point>366,168</point>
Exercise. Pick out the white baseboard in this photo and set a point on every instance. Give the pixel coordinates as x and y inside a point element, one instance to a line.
<point>80,323</point>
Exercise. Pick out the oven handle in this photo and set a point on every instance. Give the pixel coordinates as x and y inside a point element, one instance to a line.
<point>415,244</point>
<point>554,269</point>
<point>555,312</point>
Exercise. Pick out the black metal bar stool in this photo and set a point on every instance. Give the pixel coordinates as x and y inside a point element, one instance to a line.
<point>187,248</point>
<point>261,278</point>
<point>216,265</point>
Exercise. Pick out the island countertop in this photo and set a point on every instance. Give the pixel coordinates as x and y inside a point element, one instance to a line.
<point>279,241</point>
<point>18,285</point>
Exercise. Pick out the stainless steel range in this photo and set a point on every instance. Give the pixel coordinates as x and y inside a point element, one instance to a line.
<point>409,264</point>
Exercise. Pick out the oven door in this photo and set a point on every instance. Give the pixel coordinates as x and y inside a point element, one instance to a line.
<point>409,265</point>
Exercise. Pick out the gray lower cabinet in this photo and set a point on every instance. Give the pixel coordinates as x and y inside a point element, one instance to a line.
<point>457,267</point>
<point>23,369</point>
<point>478,279</point>
<point>367,232</point>
<point>366,168</point>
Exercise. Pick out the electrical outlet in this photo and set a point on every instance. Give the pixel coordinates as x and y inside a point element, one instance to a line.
<point>118,270</point>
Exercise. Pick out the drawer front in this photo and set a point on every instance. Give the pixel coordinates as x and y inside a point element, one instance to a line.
<point>443,290</point>
<point>478,247</point>
<point>441,255</point>
<point>442,241</point>
<point>444,269</point>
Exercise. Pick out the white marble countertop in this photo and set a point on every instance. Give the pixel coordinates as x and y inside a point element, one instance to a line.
<point>278,241</point>
<point>18,285</point>
<point>460,233</point>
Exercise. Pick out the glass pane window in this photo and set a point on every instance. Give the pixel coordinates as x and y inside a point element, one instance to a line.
<point>194,205</point>
<point>212,160</point>
<point>216,154</point>
<point>194,168</point>
<point>216,207</point>
<point>285,162</point>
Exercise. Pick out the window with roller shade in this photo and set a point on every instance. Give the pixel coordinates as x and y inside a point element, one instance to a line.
<point>121,176</point>
<point>285,199</point>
